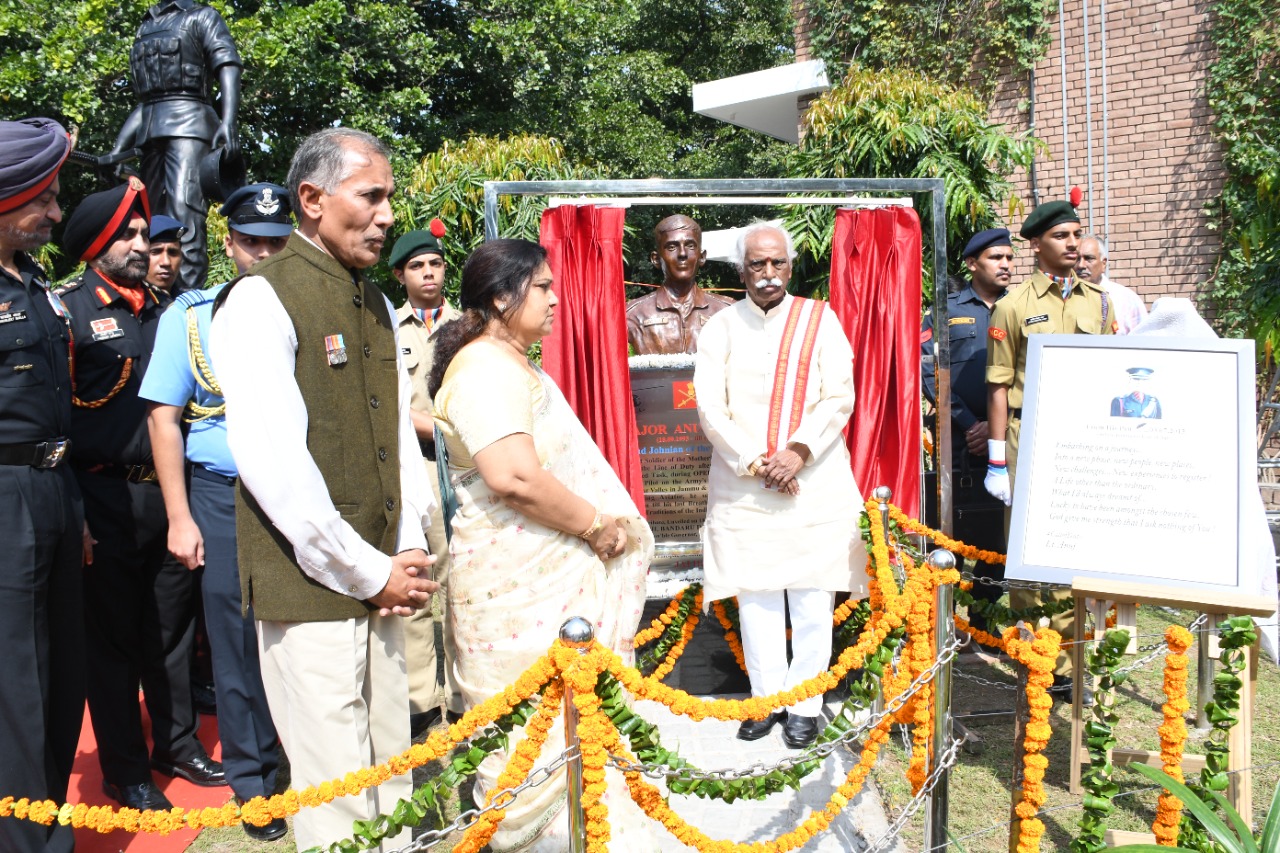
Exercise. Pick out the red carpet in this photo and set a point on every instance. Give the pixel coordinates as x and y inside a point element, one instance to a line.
<point>86,787</point>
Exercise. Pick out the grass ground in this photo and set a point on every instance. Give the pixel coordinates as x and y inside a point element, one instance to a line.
<point>980,784</point>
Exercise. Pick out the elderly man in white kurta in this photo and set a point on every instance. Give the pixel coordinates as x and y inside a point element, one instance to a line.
<point>774,381</point>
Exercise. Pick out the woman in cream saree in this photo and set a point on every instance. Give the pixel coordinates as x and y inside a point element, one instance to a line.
<point>524,564</point>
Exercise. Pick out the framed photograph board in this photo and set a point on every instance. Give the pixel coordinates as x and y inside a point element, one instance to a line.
<point>1136,459</point>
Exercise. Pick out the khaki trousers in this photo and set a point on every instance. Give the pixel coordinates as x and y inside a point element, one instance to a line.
<point>340,701</point>
<point>1063,623</point>
<point>421,653</point>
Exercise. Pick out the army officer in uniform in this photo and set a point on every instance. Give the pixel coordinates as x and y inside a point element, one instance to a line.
<point>1052,301</point>
<point>979,517</point>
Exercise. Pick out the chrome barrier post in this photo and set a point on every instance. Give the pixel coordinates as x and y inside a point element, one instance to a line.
<point>935,829</point>
<point>577,634</point>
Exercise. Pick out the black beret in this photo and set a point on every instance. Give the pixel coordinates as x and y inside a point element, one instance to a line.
<point>416,243</point>
<point>262,210</point>
<point>984,240</point>
<point>31,152</point>
<point>1047,215</point>
<point>101,217</point>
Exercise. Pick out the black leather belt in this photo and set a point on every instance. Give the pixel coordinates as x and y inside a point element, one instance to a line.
<point>44,454</point>
<point>132,473</point>
<point>204,473</point>
<point>1016,413</point>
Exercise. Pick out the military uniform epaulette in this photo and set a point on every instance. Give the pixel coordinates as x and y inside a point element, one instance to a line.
<point>67,286</point>
<point>716,296</point>
<point>192,298</point>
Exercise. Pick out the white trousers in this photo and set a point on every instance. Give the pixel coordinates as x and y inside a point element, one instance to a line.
<point>339,699</point>
<point>763,616</point>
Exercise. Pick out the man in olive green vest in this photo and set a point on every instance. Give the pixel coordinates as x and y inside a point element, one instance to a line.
<point>333,497</point>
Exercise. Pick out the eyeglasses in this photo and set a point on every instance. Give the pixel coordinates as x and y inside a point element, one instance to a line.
<point>758,266</point>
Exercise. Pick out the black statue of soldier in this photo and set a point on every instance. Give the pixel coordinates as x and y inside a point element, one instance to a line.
<point>179,45</point>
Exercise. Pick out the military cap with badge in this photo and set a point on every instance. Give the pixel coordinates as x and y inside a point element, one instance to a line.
<point>262,210</point>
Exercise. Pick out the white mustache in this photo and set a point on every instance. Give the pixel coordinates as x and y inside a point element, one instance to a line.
<point>766,282</point>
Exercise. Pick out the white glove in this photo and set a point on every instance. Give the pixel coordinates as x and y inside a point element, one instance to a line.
<point>997,480</point>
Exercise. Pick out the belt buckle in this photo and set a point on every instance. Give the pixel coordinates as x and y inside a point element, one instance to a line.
<point>966,481</point>
<point>52,452</point>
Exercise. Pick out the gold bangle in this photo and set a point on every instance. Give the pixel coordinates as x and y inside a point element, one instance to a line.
<point>596,524</point>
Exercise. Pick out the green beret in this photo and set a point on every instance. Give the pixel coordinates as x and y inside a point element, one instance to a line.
<point>1047,215</point>
<point>411,245</point>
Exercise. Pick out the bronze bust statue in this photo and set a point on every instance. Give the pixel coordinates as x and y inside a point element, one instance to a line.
<point>669,319</point>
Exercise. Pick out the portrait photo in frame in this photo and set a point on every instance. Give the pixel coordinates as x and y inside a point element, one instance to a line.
<point>1136,463</point>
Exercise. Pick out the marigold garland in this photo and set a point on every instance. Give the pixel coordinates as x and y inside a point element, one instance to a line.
<point>977,634</point>
<point>730,635</point>
<point>260,810</point>
<point>942,540</point>
<point>1039,657</point>
<point>1173,733</point>
<point>686,633</point>
<point>660,622</point>
<point>516,771</point>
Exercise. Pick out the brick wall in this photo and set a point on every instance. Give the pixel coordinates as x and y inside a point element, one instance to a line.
<point>804,45</point>
<point>1163,163</point>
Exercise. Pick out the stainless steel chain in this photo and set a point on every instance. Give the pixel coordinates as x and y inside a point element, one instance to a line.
<point>1004,584</point>
<point>817,751</point>
<point>891,834</point>
<point>1158,648</point>
<point>466,819</point>
<point>985,682</point>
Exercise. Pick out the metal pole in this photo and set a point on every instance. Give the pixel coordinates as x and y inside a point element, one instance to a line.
<point>1066,146</point>
<point>935,831</point>
<point>1088,113</point>
<point>1106,168</point>
<point>576,633</point>
<point>1204,676</point>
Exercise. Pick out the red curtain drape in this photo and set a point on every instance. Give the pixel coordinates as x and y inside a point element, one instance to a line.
<point>875,291</point>
<point>586,352</point>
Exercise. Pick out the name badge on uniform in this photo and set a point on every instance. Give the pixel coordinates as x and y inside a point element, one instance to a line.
<point>961,321</point>
<point>337,350</point>
<point>106,329</point>
<point>1039,318</point>
<point>12,316</point>
<point>655,321</point>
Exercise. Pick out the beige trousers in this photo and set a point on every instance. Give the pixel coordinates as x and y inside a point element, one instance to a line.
<point>421,653</point>
<point>340,701</point>
<point>1063,623</point>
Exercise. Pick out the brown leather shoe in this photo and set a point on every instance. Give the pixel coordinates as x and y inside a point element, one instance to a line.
<point>756,729</point>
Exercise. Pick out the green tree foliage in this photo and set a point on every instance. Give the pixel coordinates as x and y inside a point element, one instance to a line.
<point>957,41</point>
<point>899,124</point>
<point>449,184</point>
<point>611,79</point>
<point>1244,92</point>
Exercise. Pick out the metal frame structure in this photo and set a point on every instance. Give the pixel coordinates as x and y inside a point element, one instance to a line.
<point>679,189</point>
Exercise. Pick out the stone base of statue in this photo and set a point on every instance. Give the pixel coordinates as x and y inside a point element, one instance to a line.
<point>675,458</point>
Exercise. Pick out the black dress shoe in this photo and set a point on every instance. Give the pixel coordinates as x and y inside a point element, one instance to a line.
<point>142,797</point>
<point>204,698</point>
<point>756,729</point>
<point>275,828</point>
<point>420,723</point>
<point>200,770</point>
<point>798,732</point>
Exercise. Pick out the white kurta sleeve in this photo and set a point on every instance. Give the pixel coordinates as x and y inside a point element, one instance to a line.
<point>416,499</point>
<point>711,386</point>
<point>254,347</point>
<point>824,424</point>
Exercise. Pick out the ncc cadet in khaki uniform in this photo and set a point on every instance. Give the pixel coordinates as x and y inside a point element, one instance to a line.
<point>141,624</point>
<point>668,320</point>
<point>417,260</point>
<point>41,619</point>
<point>1052,301</point>
<point>978,517</point>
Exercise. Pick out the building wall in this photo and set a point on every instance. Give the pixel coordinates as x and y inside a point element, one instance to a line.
<point>1162,163</point>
